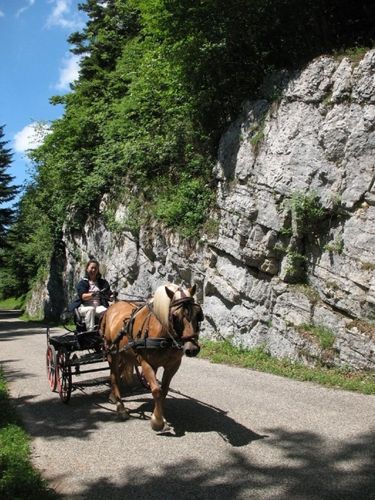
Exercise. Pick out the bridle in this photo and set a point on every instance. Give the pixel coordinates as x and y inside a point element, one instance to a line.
<point>182,302</point>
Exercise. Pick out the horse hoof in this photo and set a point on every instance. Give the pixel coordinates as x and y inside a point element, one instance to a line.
<point>112,399</point>
<point>166,428</point>
<point>157,425</point>
<point>123,414</point>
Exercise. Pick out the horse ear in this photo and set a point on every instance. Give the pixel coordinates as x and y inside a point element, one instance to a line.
<point>170,293</point>
<point>192,290</point>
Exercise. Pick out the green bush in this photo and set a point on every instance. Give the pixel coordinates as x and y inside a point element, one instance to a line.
<point>184,207</point>
<point>308,212</point>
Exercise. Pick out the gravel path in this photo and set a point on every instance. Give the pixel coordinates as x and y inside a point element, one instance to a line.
<point>236,433</point>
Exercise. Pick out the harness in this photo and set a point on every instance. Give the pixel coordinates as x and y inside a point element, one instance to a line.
<point>141,340</point>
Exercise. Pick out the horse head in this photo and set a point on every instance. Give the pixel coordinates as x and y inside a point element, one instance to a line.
<point>184,319</point>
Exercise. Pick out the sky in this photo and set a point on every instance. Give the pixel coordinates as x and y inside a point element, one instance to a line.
<point>35,64</point>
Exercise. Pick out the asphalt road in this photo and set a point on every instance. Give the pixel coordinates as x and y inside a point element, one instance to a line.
<point>235,433</point>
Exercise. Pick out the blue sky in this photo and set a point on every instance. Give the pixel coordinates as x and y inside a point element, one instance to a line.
<point>35,64</point>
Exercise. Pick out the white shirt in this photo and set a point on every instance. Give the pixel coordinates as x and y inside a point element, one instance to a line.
<point>93,287</point>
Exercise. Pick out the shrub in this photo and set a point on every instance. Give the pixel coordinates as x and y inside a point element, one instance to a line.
<point>307,211</point>
<point>184,206</point>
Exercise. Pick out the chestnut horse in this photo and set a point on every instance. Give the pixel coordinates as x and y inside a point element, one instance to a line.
<point>152,334</point>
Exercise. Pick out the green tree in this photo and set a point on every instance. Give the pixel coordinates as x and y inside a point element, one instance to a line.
<point>8,190</point>
<point>159,82</point>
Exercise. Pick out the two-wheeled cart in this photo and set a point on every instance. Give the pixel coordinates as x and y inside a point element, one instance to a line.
<point>72,355</point>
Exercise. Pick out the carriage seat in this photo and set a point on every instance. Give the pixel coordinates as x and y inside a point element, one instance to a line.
<point>86,339</point>
<point>78,320</point>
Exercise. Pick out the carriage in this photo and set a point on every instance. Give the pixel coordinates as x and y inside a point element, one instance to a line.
<point>73,354</point>
<point>135,338</point>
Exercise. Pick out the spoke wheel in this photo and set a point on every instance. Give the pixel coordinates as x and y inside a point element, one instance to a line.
<point>51,367</point>
<point>64,376</point>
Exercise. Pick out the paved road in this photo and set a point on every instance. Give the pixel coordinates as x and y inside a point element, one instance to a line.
<point>236,434</point>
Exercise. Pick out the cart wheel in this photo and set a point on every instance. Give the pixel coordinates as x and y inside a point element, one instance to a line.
<point>64,376</point>
<point>51,367</point>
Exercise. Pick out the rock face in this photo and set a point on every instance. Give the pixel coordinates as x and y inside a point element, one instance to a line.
<point>293,260</point>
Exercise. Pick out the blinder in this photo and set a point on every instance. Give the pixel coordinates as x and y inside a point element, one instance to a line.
<point>200,316</point>
<point>181,302</point>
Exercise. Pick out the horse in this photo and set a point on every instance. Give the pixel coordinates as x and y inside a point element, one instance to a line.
<point>152,334</point>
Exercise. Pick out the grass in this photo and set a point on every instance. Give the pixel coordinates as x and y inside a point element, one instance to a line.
<point>323,334</point>
<point>258,359</point>
<point>18,479</point>
<point>355,54</point>
<point>12,303</point>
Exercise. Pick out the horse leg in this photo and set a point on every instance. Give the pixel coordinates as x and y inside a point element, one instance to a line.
<point>112,398</point>
<point>157,417</point>
<point>169,372</point>
<point>115,395</point>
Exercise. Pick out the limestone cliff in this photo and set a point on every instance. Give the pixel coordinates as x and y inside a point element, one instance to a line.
<point>291,266</point>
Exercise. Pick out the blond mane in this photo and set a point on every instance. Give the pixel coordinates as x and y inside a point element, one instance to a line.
<point>161,302</point>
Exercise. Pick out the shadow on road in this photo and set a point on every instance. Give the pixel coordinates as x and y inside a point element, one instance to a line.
<point>13,329</point>
<point>53,419</point>
<point>308,468</point>
<point>10,313</point>
<point>188,415</point>
<point>305,465</point>
<point>14,374</point>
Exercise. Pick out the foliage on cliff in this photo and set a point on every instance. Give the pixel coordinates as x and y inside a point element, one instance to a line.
<point>159,82</point>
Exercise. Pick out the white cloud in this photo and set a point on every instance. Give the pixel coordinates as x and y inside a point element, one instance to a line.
<point>2,13</point>
<point>69,72</point>
<point>31,136</point>
<point>29,4</point>
<point>62,15</point>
